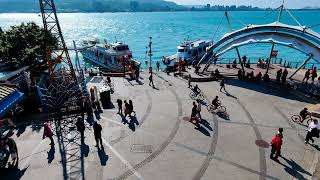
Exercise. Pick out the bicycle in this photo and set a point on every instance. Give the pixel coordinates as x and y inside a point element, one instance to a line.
<point>212,109</point>
<point>195,96</point>
<point>298,119</point>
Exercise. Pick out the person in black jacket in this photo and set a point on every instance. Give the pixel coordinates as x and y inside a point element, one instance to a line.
<point>81,128</point>
<point>97,134</point>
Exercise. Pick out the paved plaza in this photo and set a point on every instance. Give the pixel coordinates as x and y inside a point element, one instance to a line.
<point>160,143</point>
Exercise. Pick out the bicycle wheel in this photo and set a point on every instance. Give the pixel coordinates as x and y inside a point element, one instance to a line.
<point>309,121</point>
<point>296,118</point>
<point>200,97</point>
<point>193,96</point>
<point>222,109</point>
<point>210,108</point>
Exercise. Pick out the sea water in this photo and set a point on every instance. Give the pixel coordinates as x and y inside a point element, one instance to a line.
<point>168,29</point>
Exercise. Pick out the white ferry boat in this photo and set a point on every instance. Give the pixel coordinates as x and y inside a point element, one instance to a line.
<point>188,51</point>
<point>110,57</point>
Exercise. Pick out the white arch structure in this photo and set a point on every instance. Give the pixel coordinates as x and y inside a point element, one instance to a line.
<point>300,38</point>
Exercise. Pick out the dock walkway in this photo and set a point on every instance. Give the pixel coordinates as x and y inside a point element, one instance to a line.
<point>161,143</point>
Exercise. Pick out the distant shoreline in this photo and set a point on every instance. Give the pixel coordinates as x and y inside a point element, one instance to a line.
<point>36,12</point>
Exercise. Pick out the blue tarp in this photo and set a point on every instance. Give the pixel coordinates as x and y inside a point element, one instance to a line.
<point>9,102</point>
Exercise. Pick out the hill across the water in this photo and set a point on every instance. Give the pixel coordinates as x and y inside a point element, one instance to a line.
<point>28,6</point>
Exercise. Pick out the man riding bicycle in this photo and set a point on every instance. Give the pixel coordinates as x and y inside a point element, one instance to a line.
<point>215,102</point>
<point>196,90</point>
<point>304,113</point>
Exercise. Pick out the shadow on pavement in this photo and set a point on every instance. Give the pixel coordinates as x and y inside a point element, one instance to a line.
<point>206,124</point>
<point>103,157</point>
<point>12,173</point>
<point>51,153</point>
<point>224,116</point>
<point>203,130</point>
<point>133,122</point>
<point>264,88</point>
<point>295,170</point>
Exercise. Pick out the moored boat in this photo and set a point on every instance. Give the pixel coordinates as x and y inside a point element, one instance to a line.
<point>110,57</point>
<point>189,51</point>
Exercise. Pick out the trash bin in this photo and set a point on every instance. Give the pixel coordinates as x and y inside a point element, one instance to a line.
<point>105,96</point>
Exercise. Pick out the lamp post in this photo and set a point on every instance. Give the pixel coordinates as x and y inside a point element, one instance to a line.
<point>150,54</point>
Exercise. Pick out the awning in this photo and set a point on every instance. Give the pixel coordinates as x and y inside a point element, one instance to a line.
<point>9,98</point>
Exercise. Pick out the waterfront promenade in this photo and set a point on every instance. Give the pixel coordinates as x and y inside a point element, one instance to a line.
<point>161,143</point>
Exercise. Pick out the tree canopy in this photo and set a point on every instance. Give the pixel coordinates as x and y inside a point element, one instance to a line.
<point>24,45</point>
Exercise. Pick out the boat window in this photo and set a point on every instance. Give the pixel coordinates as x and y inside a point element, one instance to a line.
<point>180,50</point>
<point>126,47</point>
<point>189,52</point>
<point>200,50</point>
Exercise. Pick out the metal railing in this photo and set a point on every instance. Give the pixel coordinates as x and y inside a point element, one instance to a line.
<point>278,61</point>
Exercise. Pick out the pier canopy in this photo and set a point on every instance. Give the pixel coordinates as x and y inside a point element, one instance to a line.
<point>9,97</point>
<point>300,38</point>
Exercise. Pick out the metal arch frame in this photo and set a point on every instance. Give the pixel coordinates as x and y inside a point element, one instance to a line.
<point>270,38</point>
<point>277,28</point>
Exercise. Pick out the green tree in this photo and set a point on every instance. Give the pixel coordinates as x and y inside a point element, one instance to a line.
<point>24,45</point>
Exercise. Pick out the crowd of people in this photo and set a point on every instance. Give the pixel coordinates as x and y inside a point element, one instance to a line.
<point>310,73</point>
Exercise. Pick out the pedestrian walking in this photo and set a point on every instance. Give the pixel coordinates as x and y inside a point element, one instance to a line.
<point>312,131</point>
<point>280,132</point>
<point>199,109</point>
<point>126,108</point>
<point>119,102</point>
<point>276,144</point>
<point>97,129</point>
<point>279,73</point>
<point>314,74</point>
<point>222,85</point>
<point>151,80</point>
<point>137,72</point>
<point>158,66</point>
<point>47,132</point>
<point>81,128</point>
<point>130,108</point>
<point>189,81</point>
<point>306,76</point>
<point>194,113</point>
<point>284,76</point>
<point>13,151</point>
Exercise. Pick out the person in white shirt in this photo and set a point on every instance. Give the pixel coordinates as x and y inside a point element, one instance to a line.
<point>199,110</point>
<point>312,131</point>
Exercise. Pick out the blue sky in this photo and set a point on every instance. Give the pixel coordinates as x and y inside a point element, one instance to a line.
<point>259,3</point>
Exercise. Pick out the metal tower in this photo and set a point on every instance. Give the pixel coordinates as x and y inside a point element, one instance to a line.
<point>63,91</point>
<point>57,56</point>
<point>63,95</point>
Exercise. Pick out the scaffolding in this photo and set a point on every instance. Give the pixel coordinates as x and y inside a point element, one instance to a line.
<point>63,95</point>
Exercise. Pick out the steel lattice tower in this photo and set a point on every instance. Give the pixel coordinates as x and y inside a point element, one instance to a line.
<point>64,90</point>
<point>58,56</point>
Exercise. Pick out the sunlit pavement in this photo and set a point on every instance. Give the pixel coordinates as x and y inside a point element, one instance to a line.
<point>161,143</point>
